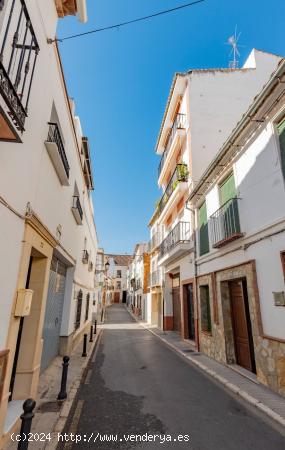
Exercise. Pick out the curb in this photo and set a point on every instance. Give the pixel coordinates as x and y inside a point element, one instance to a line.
<point>67,404</point>
<point>232,387</point>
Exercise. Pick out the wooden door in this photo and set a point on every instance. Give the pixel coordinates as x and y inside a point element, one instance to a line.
<point>176,309</point>
<point>241,325</point>
<point>117,297</point>
<point>190,311</point>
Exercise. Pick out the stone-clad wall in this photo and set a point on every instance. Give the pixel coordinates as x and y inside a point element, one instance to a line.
<point>219,344</point>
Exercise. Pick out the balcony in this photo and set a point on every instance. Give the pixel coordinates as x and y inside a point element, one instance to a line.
<point>176,244</point>
<point>155,241</point>
<point>85,257</point>
<point>18,56</point>
<point>56,151</point>
<point>86,164</point>
<point>179,177</point>
<point>155,278</point>
<point>225,224</point>
<point>77,210</point>
<point>179,124</point>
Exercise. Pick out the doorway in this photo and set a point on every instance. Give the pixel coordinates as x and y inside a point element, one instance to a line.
<point>53,312</point>
<point>19,338</point>
<point>124,297</point>
<point>189,332</point>
<point>241,325</point>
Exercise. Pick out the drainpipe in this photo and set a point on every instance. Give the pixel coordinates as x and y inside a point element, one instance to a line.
<point>195,273</point>
<point>81,10</point>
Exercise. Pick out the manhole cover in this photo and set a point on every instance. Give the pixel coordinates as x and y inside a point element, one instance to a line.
<point>49,407</point>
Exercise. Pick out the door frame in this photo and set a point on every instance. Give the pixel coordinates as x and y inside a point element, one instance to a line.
<point>243,280</point>
<point>184,330</point>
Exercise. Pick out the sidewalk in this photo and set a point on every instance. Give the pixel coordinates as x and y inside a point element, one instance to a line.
<point>240,384</point>
<point>51,415</point>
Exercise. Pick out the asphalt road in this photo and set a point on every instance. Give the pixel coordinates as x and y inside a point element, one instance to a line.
<point>136,385</point>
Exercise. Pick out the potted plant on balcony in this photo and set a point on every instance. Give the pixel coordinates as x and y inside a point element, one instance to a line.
<point>182,172</point>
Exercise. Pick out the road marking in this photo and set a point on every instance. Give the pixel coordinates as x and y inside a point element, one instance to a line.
<point>97,347</point>
<point>88,376</point>
<point>74,422</point>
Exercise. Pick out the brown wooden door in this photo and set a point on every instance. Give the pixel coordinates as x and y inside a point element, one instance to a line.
<point>117,297</point>
<point>241,325</point>
<point>176,309</point>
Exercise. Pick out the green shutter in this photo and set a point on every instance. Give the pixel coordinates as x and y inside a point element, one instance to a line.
<point>230,221</point>
<point>203,230</point>
<point>281,132</point>
<point>228,189</point>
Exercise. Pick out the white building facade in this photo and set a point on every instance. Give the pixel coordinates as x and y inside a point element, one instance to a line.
<point>241,242</point>
<point>48,235</point>
<point>202,109</point>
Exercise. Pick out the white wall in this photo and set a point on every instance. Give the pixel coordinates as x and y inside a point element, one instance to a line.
<point>218,99</point>
<point>261,189</point>
<point>27,173</point>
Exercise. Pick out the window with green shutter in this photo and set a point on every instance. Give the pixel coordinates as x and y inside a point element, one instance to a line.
<point>203,230</point>
<point>205,309</point>
<point>281,132</point>
<point>228,189</point>
<point>230,217</point>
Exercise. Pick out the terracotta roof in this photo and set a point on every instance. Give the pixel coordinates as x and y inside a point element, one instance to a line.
<point>121,260</point>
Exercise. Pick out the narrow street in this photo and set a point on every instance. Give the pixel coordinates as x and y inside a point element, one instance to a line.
<point>135,385</point>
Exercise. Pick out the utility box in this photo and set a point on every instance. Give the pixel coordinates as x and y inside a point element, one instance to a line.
<point>23,302</point>
<point>279,298</point>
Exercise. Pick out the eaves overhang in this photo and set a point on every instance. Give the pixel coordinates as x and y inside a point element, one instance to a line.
<point>251,121</point>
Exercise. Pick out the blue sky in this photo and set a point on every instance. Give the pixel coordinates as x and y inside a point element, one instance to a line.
<point>120,81</point>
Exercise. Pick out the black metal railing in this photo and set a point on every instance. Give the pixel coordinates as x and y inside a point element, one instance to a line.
<point>179,175</point>
<point>85,257</point>
<point>76,204</point>
<point>55,137</point>
<point>225,224</point>
<point>179,124</point>
<point>18,56</point>
<point>155,241</point>
<point>180,234</point>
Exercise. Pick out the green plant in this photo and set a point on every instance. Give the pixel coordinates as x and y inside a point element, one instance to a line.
<point>175,184</point>
<point>182,172</point>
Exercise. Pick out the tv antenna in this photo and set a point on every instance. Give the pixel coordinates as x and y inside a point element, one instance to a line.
<point>233,42</point>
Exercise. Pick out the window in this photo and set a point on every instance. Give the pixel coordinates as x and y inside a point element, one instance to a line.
<point>227,189</point>
<point>87,306</point>
<point>205,309</point>
<point>281,132</point>
<point>176,280</point>
<point>78,310</point>
<point>119,274</point>
<point>203,229</point>
<point>118,285</point>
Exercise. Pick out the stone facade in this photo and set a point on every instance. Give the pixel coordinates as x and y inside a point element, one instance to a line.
<point>219,344</point>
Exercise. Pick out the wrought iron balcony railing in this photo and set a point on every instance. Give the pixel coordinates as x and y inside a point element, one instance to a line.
<point>55,137</point>
<point>180,175</point>
<point>18,56</point>
<point>85,257</point>
<point>179,124</point>
<point>179,235</point>
<point>155,278</point>
<point>77,206</point>
<point>155,241</point>
<point>225,224</point>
